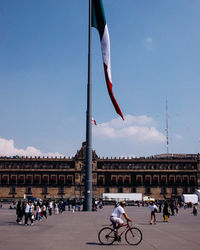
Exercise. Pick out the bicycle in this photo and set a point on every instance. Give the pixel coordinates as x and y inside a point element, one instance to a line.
<point>108,235</point>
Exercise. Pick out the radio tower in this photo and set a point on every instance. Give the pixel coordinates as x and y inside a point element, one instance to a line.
<point>167,138</point>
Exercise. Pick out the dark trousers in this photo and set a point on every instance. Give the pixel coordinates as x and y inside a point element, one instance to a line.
<point>31,218</point>
<point>44,213</point>
<point>26,217</point>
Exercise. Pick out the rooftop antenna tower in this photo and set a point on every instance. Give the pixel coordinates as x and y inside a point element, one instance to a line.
<point>167,137</point>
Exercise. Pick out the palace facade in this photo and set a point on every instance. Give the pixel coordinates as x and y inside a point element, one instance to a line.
<point>161,176</point>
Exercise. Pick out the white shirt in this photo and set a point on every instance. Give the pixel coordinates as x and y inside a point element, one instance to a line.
<point>117,212</point>
<point>27,208</point>
<point>153,207</point>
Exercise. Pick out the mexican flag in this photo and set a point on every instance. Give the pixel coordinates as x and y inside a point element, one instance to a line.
<point>99,22</point>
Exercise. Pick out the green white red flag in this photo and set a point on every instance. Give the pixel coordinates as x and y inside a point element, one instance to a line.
<point>99,22</point>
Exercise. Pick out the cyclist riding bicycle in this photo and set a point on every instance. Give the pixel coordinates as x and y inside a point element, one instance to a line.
<point>116,215</point>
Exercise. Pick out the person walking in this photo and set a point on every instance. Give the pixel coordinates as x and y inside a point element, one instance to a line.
<point>44,211</point>
<point>166,211</point>
<point>176,208</point>
<point>50,207</point>
<point>31,212</point>
<point>38,211</point>
<point>172,207</point>
<point>19,212</point>
<point>194,211</point>
<point>56,210</point>
<point>27,208</point>
<point>154,210</point>
<point>68,204</point>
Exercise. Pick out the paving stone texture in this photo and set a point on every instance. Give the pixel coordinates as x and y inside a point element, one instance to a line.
<point>79,230</point>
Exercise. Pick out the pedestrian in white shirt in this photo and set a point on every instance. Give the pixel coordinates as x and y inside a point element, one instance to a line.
<point>27,208</point>
<point>50,207</point>
<point>153,209</point>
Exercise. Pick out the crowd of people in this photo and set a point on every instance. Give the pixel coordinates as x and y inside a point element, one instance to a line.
<point>169,208</point>
<point>30,211</point>
<point>35,210</point>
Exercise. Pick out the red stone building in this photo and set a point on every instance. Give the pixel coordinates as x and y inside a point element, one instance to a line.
<point>162,176</point>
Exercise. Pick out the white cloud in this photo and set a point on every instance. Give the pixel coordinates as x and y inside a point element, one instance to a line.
<point>148,42</point>
<point>7,148</point>
<point>137,129</point>
<point>179,137</point>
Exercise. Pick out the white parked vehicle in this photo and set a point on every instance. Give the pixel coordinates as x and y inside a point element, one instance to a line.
<point>189,198</point>
<point>122,196</point>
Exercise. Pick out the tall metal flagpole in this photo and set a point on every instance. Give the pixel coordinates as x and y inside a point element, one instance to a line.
<point>88,167</point>
<point>167,137</point>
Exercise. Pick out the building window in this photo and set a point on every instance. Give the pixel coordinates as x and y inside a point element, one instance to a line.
<point>5,179</point>
<point>127,180</point>
<point>120,190</point>
<point>21,179</point>
<point>114,180</point>
<point>53,179</point>
<point>37,179</point>
<point>12,190</point>
<point>69,179</point>
<point>45,179</point>
<point>107,190</point>
<point>185,180</point>
<point>61,180</point>
<point>163,190</point>
<point>28,190</point>
<point>133,190</point>
<point>148,180</point>
<point>148,190</point>
<point>163,180</point>
<point>192,180</point>
<point>178,180</point>
<point>171,180</point>
<point>100,180</point>
<point>120,180</point>
<point>61,190</point>
<point>174,190</point>
<point>139,180</point>
<point>29,179</point>
<point>155,180</point>
<point>44,190</point>
<point>13,179</point>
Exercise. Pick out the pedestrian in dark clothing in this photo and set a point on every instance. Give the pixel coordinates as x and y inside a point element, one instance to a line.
<point>19,212</point>
<point>68,204</point>
<point>194,210</point>
<point>44,211</point>
<point>166,211</point>
<point>172,208</point>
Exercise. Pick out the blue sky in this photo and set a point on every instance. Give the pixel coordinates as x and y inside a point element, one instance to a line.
<point>43,77</point>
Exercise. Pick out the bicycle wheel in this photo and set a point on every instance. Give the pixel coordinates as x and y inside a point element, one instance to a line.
<point>106,236</point>
<point>133,236</point>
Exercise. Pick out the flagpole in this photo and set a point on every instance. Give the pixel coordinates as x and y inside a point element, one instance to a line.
<point>88,167</point>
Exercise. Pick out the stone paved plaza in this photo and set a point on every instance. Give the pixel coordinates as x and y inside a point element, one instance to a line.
<point>79,231</point>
